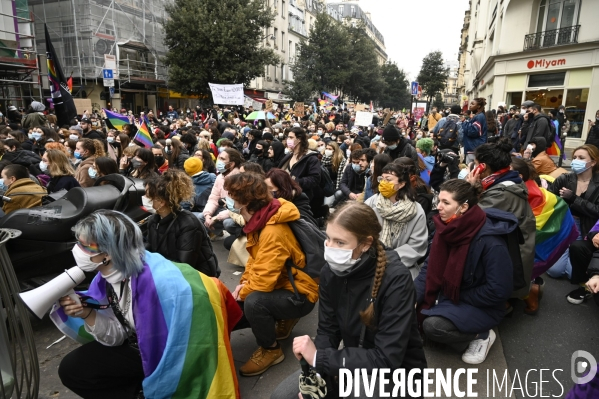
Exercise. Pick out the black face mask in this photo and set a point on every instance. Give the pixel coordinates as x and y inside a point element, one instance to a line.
<point>159,160</point>
<point>258,152</point>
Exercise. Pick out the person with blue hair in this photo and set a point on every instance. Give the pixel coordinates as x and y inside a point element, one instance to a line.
<point>145,321</point>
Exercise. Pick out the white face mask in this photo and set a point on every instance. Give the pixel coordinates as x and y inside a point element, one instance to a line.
<point>148,204</point>
<point>83,260</point>
<point>340,260</point>
<point>328,153</point>
<point>463,173</point>
<point>114,276</point>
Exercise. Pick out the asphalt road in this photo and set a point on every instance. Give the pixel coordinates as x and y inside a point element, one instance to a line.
<point>544,341</point>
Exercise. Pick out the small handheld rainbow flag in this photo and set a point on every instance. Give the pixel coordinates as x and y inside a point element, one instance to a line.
<point>143,135</point>
<point>117,120</point>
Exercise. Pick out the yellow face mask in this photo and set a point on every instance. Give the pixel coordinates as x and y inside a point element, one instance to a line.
<point>387,189</point>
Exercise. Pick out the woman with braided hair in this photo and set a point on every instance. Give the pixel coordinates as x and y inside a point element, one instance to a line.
<point>366,292</point>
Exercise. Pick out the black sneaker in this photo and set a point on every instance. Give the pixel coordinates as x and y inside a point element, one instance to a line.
<point>578,296</point>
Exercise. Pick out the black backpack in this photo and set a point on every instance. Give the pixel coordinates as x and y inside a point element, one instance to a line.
<point>448,134</point>
<point>326,183</point>
<point>311,240</point>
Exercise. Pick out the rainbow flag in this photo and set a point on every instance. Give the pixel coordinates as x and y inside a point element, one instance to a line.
<point>556,148</point>
<point>556,229</point>
<point>183,320</point>
<point>331,96</point>
<point>118,121</point>
<point>143,135</point>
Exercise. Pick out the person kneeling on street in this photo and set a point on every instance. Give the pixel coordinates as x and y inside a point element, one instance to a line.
<point>265,291</point>
<point>462,288</point>
<point>367,300</point>
<point>354,178</point>
<point>20,188</point>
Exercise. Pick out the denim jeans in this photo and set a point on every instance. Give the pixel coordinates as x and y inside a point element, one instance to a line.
<point>442,330</point>
<point>563,267</point>
<point>262,309</point>
<point>219,225</point>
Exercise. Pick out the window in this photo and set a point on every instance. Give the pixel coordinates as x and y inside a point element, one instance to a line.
<point>340,10</point>
<point>275,35</point>
<point>547,79</point>
<point>290,50</point>
<point>275,68</point>
<point>353,11</point>
<point>283,41</point>
<point>556,14</point>
<point>283,8</point>
<point>267,71</point>
<point>576,107</point>
<point>282,71</point>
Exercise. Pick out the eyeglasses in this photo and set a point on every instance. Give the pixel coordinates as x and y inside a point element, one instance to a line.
<point>381,178</point>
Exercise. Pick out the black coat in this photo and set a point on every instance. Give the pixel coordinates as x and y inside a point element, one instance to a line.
<point>302,203</point>
<point>586,207</point>
<point>186,242</point>
<point>404,149</point>
<point>352,182</point>
<point>593,137</point>
<point>538,127</point>
<point>62,182</point>
<point>306,172</point>
<point>395,343</point>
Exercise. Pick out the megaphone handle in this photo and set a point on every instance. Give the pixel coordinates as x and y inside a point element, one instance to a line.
<point>71,294</point>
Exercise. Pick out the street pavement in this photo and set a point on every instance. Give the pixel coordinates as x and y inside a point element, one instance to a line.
<point>544,341</point>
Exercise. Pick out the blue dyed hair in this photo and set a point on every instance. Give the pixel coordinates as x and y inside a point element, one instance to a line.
<point>116,235</point>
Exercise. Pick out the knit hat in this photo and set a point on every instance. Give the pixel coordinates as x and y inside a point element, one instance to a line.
<point>425,145</point>
<point>390,134</point>
<point>37,106</point>
<point>193,165</point>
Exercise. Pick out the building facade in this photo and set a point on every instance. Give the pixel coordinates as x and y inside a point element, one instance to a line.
<point>462,55</point>
<point>450,94</point>
<point>541,50</point>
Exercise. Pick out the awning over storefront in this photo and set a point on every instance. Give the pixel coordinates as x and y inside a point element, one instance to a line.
<point>162,92</point>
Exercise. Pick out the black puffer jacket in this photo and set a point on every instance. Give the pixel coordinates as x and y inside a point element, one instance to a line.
<point>396,341</point>
<point>404,149</point>
<point>186,242</point>
<point>306,172</point>
<point>586,207</point>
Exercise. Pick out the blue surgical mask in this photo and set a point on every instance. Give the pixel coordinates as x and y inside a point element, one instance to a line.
<point>579,166</point>
<point>78,155</point>
<point>36,136</point>
<point>110,139</point>
<point>463,173</point>
<point>356,167</point>
<point>3,188</point>
<point>221,166</point>
<point>392,147</point>
<point>231,205</point>
<point>92,173</point>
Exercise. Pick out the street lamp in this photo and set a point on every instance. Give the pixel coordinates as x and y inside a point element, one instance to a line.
<point>272,37</point>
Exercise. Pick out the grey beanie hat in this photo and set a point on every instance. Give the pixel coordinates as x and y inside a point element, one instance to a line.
<point>37,106</point>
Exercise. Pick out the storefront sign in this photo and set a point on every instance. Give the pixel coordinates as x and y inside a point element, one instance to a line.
<point>545,63</point>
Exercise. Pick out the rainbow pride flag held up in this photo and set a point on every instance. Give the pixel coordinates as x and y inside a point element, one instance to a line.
<point>143,135</point>
<point>556,229</point>
<point>183,320</point>
<point>117,120</point>
<point>556,148</point>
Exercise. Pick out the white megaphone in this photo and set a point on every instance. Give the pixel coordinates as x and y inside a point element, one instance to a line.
<point>41,299</point>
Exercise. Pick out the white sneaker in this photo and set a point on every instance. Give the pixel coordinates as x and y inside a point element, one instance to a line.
<point>478,349</point>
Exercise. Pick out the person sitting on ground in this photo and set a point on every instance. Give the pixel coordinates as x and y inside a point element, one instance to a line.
<point>215,215</point>
<point>462,288</point>
<point>359,271</point>
<point>251,167</point>
<point>423,193</point>
<point>62,175</point>
<point>265,292</point>
<point>20,188</point>
<point>87,150</point>
<point>202,182</point>
<point>174,233</point>
<point>354,178</point>
<point>141,166</point>
<point>260,155</point>
<point>402,218</point>
<point>103,166</point>
<point>541,161</point>
<point>149,321</point>
<point>281,185</point>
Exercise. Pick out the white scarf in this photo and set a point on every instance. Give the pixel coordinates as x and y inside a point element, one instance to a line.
<point>395,217</point>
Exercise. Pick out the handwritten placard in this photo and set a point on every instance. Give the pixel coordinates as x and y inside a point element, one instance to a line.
<point>227,94</point>
<point>363,118</point>
<point>299,109</point>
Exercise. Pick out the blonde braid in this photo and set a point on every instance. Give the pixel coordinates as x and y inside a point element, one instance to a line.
<point>367,316</point>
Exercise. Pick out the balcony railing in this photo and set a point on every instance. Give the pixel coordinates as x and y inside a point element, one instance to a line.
<point>549,38</point>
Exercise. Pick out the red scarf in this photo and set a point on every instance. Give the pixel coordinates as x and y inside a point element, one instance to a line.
<point>262,216</point>
<point>448,255</point>
<point>489,180</point>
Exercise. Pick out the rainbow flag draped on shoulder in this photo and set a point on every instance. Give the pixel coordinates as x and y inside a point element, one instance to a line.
<point>556,229</point>
<point>183,320</point>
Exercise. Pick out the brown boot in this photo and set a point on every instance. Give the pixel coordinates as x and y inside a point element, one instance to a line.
<point>532,301</point>
<point>261,361</point>
<point>284,328</point>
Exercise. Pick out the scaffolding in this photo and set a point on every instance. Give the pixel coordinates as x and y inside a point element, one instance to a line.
<point>18,55</point>
<point>86,33</point>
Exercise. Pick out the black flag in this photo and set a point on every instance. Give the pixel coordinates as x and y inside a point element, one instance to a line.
<point>64,106</point>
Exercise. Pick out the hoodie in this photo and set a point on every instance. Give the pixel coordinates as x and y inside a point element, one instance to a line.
<point>203,181</point>
<point>487,281</point>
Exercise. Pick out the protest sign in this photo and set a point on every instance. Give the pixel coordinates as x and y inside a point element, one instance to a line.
<point>299,109</point>
<point>227,94</point>
<point>363,118</point>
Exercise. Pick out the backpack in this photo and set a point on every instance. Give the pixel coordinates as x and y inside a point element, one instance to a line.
<point>551,132</point>
<point>311,241</point>
<point>448,134</point>
<point>326,183</point>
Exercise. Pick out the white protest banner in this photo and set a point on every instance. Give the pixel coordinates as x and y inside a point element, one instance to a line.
<point>363,118</point>
<point>227,94</point>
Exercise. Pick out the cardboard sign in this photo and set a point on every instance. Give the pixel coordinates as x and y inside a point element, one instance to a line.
<point>360,107</point>
<point>82,104</point>
<point>269,105</point>
<point>387,118</point>
<point>299,109</point>
<point>363,118</point>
